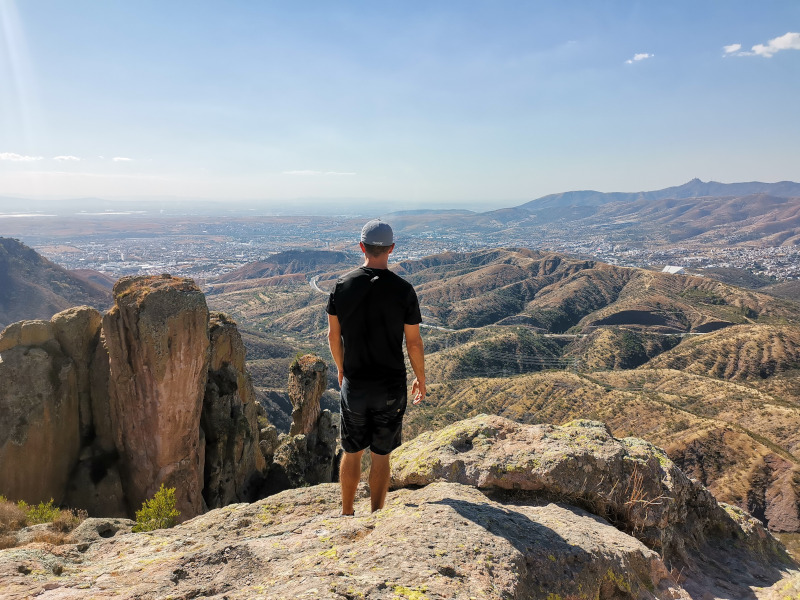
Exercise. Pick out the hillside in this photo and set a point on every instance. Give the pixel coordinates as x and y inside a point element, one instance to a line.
<point>32,287</point>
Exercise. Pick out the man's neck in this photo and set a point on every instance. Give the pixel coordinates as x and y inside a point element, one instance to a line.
<point>376,263</point>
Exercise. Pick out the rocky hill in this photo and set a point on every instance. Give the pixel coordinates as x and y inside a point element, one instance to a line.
<point>485,508</point>
<point>32,287</point>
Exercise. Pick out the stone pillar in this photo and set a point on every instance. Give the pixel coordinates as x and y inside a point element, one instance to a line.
<point>158,347</point>
<point>307,382</point>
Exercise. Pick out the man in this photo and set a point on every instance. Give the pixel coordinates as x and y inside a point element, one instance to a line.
<point>369,312</point>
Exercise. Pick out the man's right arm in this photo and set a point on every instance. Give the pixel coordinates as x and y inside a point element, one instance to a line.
<point>336,345</point>
<point>416,355</point>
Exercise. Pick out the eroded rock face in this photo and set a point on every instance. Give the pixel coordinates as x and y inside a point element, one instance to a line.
<point>234,463</point>
<point>158,346</point>
<point>39,414</point>
<point>628,481</point>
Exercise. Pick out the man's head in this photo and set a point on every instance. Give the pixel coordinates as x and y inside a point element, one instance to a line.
<point>377,238</point>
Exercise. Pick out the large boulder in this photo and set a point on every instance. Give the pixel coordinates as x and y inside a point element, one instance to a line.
<point>158,346</point>
<point>628,481</point>
<point>39,413</point>
<point>234,465</point>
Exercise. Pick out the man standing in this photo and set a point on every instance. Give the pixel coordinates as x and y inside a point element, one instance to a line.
<point>369,312</point>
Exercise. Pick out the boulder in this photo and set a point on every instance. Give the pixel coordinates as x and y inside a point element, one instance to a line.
<point>628,481</point>
<point>234,464</point>
<point>157,339</point>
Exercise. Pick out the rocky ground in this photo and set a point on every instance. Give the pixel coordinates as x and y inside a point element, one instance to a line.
<point>492,512</point>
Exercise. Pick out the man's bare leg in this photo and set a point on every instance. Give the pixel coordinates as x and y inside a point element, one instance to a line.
<point>349,476</point>
<point>378,480</point>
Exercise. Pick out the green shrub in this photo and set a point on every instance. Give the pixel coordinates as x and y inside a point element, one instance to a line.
<point>44,512</point>
<point>157,513</point>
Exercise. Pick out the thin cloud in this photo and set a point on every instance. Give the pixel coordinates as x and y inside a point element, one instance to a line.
<point>121,159</point>
<point>317,173</point>
<point>638,57</point>
<point>18,157</point>
<point>788,41</point>
<point>66,158</point>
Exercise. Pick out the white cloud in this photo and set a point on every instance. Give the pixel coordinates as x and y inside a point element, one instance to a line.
<point>788,41</point>
<point>317,173</point>
<point>65,158</point>
<point>638,57</point>
<point>18,157</point>
<point>121,159</point>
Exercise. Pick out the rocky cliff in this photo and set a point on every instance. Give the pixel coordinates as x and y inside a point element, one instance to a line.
<point>493,510</point>
<point>96,412</point>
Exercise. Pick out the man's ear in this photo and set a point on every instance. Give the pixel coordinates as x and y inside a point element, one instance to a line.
<point>361,245</point>
<point>391,248</point>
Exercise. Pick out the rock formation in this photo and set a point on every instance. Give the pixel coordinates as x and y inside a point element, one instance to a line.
<point>442,541</point>
<point>310,453</point>
<point>157,338</point>
<point>234,464</point>
<point>307,382</point>
<point>40,415</point>
<point>98,417</point>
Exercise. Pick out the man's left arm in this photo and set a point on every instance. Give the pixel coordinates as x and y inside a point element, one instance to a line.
<point>416,354</point>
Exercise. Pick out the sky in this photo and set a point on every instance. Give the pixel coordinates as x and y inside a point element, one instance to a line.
<point>455,103</point>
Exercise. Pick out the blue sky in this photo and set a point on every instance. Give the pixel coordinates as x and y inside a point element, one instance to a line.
<point>405,103</point>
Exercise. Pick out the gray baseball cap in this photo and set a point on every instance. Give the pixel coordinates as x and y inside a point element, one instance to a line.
<point>377,233</point>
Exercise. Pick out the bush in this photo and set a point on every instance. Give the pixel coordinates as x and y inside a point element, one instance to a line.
<point>44,512</point>
<point>12,517</point>
<point>7,541</point>
<point>158,512</point>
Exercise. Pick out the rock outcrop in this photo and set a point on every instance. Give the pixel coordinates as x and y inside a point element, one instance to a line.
<point>234,464</point>
<point>310,454</point>
<point>40,414</point>
<point>98,412</point>
<point>442,541</point>
<point>157,338</point>
<point>627,481</point>
<point>307,382</point>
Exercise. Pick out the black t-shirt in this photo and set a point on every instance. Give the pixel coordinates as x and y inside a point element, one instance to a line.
<point>372,306</point>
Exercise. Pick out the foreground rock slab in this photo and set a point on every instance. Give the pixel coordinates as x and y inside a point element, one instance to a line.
<point>718,548</point>
<point>443,541</point>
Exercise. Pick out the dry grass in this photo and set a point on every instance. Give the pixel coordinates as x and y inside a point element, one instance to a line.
<point>57,538</point>
<point>7,541</point>
<point>12,517</point>
<point>68,520</point>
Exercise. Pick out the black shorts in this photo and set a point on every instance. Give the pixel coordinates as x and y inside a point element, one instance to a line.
<point>372,415</point>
